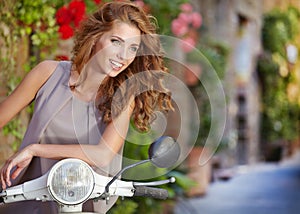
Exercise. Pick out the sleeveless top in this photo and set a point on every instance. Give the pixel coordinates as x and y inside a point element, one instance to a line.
<point>75,123</point>
<point>61,118</point>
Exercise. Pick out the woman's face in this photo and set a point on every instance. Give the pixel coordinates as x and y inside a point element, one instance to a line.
<point>117,48</point>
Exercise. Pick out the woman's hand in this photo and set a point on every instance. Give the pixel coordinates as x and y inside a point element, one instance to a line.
<point>19,160</point>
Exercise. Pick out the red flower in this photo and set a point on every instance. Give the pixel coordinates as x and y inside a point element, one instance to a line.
<point>63,16</point>
<point>61,57</point>
<point>97,1</point>
<point>70,17</point>
<point>77,8</point>
<point>65,31</point>
<point>77,20</point>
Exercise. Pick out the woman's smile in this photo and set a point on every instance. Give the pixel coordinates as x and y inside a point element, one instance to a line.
<point>116,65</point>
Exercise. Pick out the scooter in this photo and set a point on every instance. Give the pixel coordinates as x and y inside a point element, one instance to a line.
<point>71,182</point>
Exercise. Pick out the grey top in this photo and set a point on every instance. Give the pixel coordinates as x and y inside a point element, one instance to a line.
<point>74,123</point>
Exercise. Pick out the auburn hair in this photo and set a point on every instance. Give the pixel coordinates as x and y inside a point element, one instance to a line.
<point>143,78</point>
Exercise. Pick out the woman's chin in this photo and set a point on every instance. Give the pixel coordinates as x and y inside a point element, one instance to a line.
<point>113,73</point>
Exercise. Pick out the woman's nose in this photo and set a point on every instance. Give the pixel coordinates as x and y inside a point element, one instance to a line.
<point>121,54</point>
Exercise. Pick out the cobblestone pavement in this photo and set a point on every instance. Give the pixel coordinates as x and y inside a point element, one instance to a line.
<point>263,189</point>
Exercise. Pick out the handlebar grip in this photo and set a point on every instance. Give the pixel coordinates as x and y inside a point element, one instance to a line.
<point>152,192</point>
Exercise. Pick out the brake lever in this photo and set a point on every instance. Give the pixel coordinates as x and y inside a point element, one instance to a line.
<point>155,183</point>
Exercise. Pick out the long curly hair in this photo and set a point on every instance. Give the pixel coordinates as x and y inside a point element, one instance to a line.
<point>143,78</point>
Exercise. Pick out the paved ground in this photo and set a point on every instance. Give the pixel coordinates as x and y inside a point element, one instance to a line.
<point>263,189</point>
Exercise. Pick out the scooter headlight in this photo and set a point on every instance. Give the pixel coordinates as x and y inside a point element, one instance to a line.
<point>71,181</point>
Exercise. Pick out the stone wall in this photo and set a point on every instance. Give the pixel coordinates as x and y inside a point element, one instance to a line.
<point>21,57</point>
<point>237,24</point>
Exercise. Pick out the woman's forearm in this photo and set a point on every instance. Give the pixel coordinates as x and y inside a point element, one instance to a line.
<point>94,155</point>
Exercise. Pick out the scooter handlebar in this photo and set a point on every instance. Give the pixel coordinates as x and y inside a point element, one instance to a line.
<point>157,193</point>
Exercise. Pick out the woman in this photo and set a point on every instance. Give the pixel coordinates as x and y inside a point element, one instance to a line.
<point>116,69</point>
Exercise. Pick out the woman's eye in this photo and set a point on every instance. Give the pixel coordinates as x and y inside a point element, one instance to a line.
<point>133,49</point>
<point>116,42</point>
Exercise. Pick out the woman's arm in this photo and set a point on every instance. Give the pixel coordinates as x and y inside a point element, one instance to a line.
<point>26,91</point>
<point>95,155</point>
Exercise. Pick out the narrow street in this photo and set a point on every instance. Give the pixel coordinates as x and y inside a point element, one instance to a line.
<point>262,189</point>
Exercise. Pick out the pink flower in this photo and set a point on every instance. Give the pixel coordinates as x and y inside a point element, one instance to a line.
<point>186,7</point>
<point>196,20</point>
<point>186,25</point>
<point>179,27</point>
<point>140,3</point>
<point>185,17</point>
<point>188,43</point>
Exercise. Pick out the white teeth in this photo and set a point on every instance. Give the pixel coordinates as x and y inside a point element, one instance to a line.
<point>116,63</point>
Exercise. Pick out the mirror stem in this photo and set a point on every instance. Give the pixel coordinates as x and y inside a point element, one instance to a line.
<point>121,171</point>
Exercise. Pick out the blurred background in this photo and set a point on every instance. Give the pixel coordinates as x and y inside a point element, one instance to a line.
<point>252,45</point>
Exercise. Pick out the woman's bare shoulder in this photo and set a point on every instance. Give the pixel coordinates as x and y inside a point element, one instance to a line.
<point>42,71</point>
<point>45,68</point>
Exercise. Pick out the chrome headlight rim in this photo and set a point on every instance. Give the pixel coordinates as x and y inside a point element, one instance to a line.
<point>53,171</point>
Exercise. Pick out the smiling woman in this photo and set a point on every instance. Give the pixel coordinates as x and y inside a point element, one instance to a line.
<point>83,107</point>
<point>117,48</point>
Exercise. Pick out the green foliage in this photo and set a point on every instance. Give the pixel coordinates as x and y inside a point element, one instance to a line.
<point>21,19</point>
<point>216,54</point>
<point>280,114</point>
<point>31,22</point>
<point>9,36</point>
<point>15,129</point>
<point>37,19</point>
<point>124,206</point>
<point>280,27</point>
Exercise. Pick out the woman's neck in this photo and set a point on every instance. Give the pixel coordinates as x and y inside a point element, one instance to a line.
<point>85,86</point>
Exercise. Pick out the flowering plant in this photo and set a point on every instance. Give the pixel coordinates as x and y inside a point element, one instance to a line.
<point>186,26</point>
<point>69,16</point>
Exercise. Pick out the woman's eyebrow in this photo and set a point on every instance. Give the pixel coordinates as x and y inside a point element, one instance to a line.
<point>123,40</point>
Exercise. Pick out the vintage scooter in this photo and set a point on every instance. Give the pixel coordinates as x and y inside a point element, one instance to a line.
<point>71,182</point>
